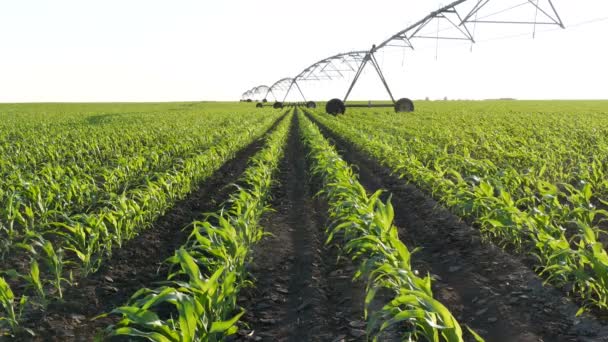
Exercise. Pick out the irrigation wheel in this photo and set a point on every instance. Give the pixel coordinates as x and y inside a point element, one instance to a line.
<point>335,107</point>
<point>404,105</point>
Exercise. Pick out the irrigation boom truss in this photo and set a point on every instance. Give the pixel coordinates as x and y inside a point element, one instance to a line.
<point>458,15</point>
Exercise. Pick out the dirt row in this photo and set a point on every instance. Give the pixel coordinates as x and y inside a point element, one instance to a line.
<point>301,293</point>
<point>491,291</point>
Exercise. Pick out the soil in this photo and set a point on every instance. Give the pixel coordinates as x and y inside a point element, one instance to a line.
<point>139,263</point>
<point>301,293</point>
<point>486,288</point>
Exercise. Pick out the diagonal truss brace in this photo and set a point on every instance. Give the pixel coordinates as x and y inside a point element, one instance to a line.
<point>294,82</point>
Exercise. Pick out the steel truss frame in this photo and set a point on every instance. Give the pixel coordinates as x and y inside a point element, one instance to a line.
<point>328,68</point>
<point>456,15</point>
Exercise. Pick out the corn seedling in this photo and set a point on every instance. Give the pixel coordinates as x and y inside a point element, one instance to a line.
<point>207,273</point>
<point>364,224</point>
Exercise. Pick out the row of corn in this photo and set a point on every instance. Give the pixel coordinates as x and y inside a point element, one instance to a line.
<point>208,271</point>
<point>362,225</point>
<point>77,245</point>
<point>520,193</point>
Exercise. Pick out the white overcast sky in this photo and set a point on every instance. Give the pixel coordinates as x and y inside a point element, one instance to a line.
<point>151,50</point>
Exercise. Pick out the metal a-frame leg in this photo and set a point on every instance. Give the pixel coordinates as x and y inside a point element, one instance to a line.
<point>300,90</point>
<point>370,58</point>
<point>359,71</point>
<point>379,71</point>
<point>289,89</point>
<point>272,93</point>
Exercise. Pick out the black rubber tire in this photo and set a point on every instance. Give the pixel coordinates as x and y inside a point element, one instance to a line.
<point>335,107</point>
<point>259,105</point>
<point>277,105</point>
<point>311,104</point>
<point>404,106</point>
<point>264,100</point>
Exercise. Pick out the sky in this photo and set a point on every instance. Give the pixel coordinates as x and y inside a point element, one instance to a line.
<point>191,50</point>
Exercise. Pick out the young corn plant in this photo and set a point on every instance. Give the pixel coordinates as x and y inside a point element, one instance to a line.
<point>53,259</point>
<point>9,323</point>
<point>206,274</point>
<point>84,229</point>
<point>364,227</point>
<point>520,190</point>
<point>197,303</point>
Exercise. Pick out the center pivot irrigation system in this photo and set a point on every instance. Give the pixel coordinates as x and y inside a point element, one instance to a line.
<point>456,18</point>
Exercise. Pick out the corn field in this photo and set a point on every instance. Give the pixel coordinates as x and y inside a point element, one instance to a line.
<point>462,221</point>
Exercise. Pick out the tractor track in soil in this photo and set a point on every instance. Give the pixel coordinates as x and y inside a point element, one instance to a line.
<point>139,263</point>
<point>486,288</point>
<point>300,292</point>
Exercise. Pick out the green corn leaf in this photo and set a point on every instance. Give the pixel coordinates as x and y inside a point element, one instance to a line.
<point>225,326</point>
<point>139,316</point>
<point>150,335</point>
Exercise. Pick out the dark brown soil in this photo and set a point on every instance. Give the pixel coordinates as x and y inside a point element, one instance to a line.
<point>491,291</point>
<point>300,293</point>
<point>139,263</point>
